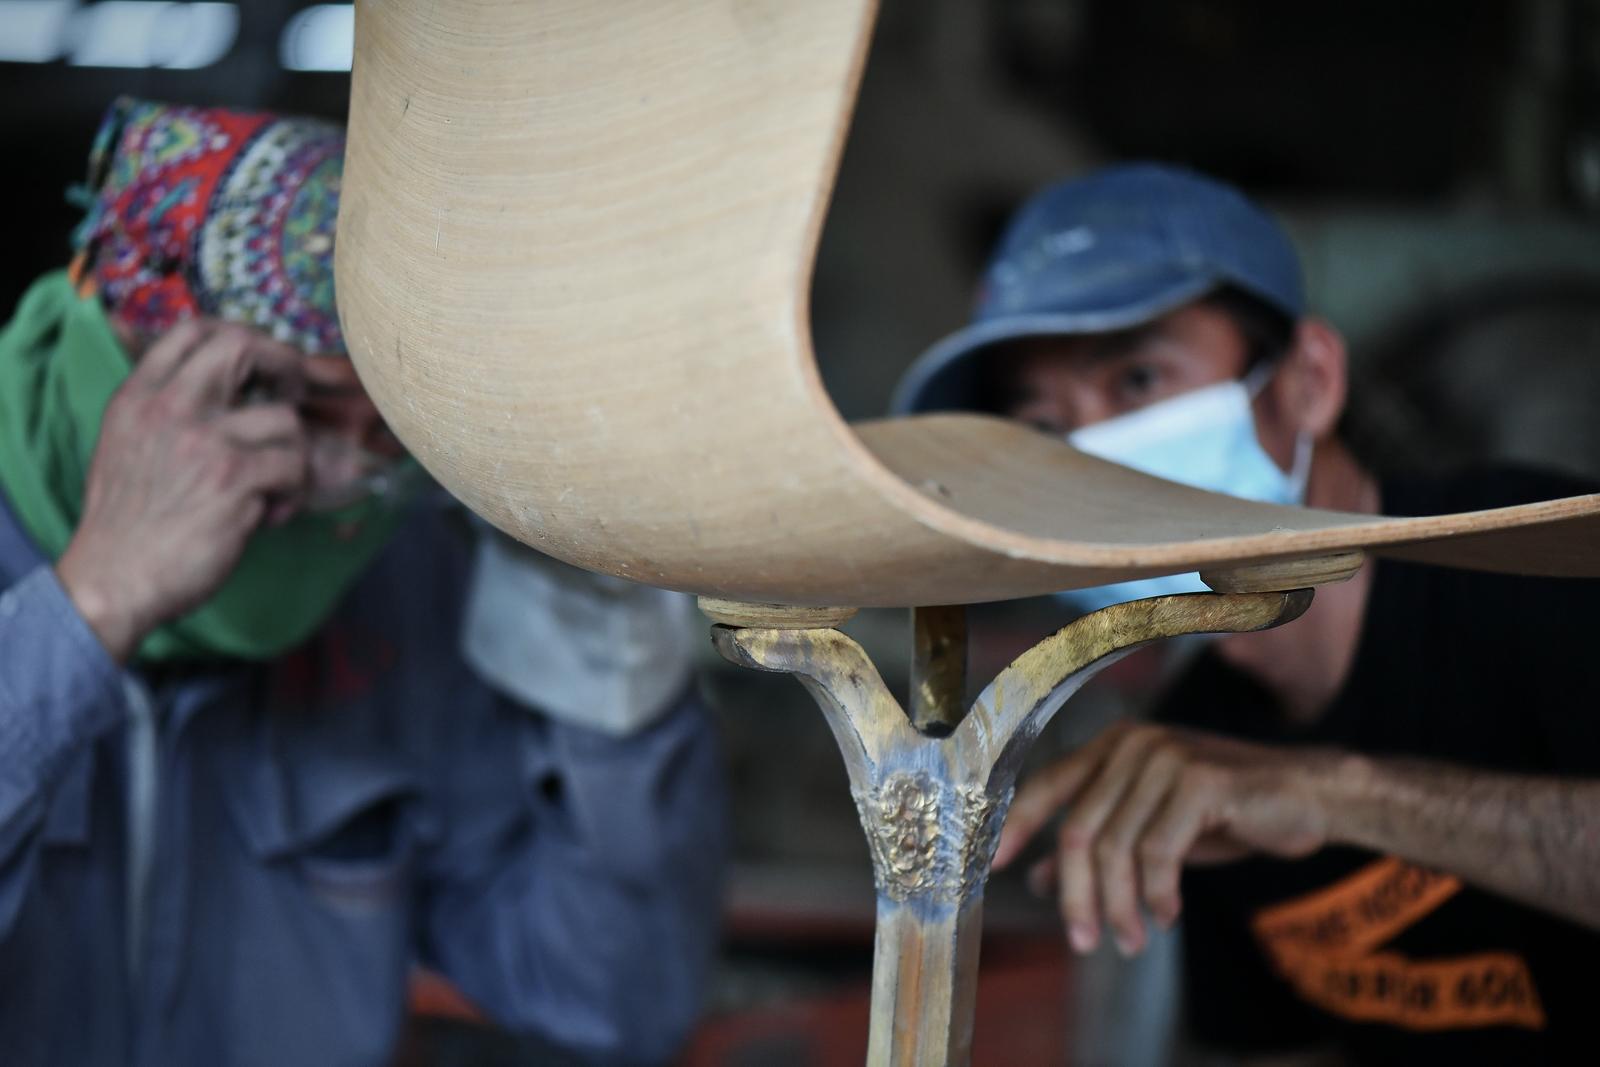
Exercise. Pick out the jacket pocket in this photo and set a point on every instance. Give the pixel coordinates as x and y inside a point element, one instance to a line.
<point>365,861</point>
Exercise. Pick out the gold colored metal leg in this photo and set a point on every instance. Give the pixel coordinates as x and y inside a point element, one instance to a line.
<point>932,801</point>
<point>939,668</point>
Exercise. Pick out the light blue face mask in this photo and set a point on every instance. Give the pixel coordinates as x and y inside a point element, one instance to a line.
<point>1205,438</point>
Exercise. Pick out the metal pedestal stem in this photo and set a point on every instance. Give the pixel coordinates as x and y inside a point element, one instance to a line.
<point>933,786</point>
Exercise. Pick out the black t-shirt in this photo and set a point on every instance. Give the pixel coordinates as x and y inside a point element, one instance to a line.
<point>1390,962</point>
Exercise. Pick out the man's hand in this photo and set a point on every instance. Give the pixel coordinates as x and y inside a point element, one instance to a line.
<point>182,476</point>
<point>1143,800</point>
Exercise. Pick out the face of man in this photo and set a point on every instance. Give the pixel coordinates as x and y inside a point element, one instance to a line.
<point>350,442</point>
<point>1062,383</point>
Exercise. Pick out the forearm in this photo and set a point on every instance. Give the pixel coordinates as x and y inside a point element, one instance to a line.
<point>1533,839</point>
<point>58,692</point>
<point>118,628</point>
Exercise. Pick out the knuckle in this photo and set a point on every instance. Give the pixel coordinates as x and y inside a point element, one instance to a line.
<point>1197,778</point>
<point>1167,748</point>
<point>1109,738</point>
<point>1160,893</point>
<point>1154,852</point>
<point>1108,853</point>
<point>1169,756</point>
<point>287,423</point>
<point>227,345</point>
<point>1133,734</point>
<point>232,334</point>
<point>1139,738</point>
<point>1163,904</point>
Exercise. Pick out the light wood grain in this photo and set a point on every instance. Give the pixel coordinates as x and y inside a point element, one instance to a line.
<point>573,266</point>
<point>1308,573</point>
<point>772,616</point>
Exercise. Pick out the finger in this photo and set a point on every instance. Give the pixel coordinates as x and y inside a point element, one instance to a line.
<point>232,355</point>
<point>251,512</point>
<point>1081,829</point>
<point>278,366</point>
<point>208,375</point>
<point>1075,893</point>
<point>262,424</point>
<point>273,469</point>
<point>1170,837</point>
<point>265,426</point>
<point>1114,850</point>
<point>1211,848</point>
<point>163,358</point>
<point>1046,792</point>
<point>282,509</point>
<point>1042,877</point>
<point>333,375</point>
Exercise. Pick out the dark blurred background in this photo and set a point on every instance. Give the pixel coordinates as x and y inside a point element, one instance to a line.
<point>1437,161</point>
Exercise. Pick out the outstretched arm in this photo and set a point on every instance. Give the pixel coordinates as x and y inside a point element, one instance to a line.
<point>1142,800</point>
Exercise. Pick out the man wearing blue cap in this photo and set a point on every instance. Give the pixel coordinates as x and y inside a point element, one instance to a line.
<point>1389,808</point>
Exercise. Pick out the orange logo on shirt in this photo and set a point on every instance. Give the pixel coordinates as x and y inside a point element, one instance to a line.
<point>1326,945</point>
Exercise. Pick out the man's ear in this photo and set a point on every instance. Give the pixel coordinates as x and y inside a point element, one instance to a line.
<point>1314,383</point>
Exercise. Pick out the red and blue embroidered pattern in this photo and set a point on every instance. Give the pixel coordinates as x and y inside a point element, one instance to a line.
<point>209,211</point>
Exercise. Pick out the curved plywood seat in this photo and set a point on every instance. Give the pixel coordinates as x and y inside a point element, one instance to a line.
<point>573,263</point>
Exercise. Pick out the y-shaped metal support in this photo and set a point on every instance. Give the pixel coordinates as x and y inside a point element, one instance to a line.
<point>933,793</point>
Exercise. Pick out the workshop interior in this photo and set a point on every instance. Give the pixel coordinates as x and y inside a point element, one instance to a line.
<point>1436,168</point>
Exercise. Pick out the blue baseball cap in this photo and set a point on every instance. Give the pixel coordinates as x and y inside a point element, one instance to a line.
<point>1109,251</point>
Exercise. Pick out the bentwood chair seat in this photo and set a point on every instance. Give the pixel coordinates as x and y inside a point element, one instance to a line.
<point>574,258</point>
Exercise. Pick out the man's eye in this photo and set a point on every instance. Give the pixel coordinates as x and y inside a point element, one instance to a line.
<point>1137,381</point>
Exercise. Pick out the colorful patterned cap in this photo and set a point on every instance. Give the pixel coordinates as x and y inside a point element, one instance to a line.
<point>208,211</point>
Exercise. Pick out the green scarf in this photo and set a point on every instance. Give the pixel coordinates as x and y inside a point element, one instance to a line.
<point>60,363</point>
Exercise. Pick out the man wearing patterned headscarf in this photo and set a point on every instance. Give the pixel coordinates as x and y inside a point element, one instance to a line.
<point>268,736</point>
